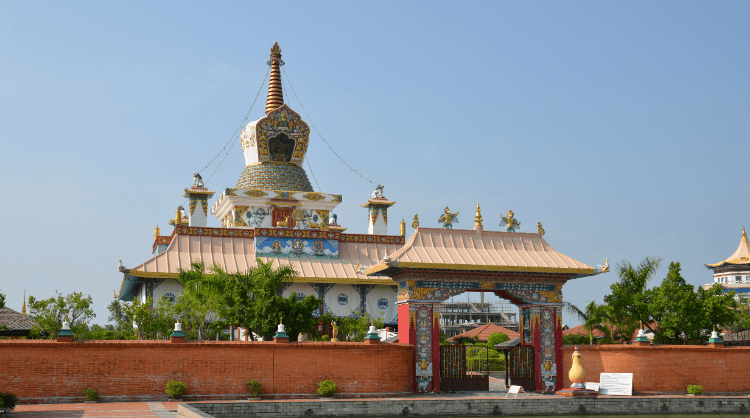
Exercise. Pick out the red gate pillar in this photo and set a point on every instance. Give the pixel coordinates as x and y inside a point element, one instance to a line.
<point>541,327</point>
<point>419,325</point>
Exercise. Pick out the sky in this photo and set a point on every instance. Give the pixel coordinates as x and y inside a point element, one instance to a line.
<point>621,126</point>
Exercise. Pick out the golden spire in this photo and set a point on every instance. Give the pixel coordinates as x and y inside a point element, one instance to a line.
<point>156,232</point>
<point>744,234</point>
<point>275,94</point>
<point>403,228</point>
<point>23,308</point>
<point>478,217</point>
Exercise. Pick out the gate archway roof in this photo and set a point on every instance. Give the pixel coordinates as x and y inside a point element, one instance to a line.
<point>469,250</point>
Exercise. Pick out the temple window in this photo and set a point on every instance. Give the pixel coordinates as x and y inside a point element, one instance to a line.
<point>737,279</point>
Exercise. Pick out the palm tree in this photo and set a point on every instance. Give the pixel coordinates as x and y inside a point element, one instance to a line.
<point>590,316</point>
<point>627,300</point>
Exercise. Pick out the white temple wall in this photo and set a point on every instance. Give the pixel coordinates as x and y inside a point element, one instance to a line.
<point>302,290</point>
<point>197,218</point>
<point>169,287</point>
<point>380,303</point>
<point>379,227</point>
<point>341,299</point>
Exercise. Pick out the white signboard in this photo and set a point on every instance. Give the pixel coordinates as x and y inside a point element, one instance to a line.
<point>514,390</point>
<point>616,384</point>
<point>592,386</point>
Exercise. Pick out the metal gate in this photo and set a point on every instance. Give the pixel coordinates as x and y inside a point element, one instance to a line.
<point>464,368</point>
<point>522,367</point>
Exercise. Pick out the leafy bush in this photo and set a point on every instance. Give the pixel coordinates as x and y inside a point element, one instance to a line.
<point>695,389</point>
<point>576,339</point>
<point>176,388</point>
<point>327,388</point>
<point>255,387</point>
<point>91,394</point>
<point>495,364</point>
<point>497,338</point>
<point>9,401</point>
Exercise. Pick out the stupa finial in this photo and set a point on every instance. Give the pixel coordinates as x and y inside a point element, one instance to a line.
<point>478,217</point>
<point>275,93</point>
<point>744,234</point>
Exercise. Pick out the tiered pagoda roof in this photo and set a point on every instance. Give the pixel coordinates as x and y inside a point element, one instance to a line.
<point>741,257</point>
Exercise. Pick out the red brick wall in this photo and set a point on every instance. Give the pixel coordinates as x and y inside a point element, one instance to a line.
<point>667,368</point>
<point>40,370</point>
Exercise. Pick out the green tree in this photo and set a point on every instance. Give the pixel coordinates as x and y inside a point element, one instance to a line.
<point>119,317</point>
<point>151,322</point>
<point>684,315</point>
<point>628,302</point>
<point>355,329</point>
<point>201,306</point>
<point>576,339</point>
<point>2,301</point>
<point>253,302</point>
<point>591,316</point>
<point>674,306</point>
<point>496,338</point>
<point>719,309</point>
<point>50,313</point>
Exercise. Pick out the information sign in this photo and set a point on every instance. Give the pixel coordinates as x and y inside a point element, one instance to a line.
<point>616,384</point>
<point>514,390</point>
<point>592,386</point>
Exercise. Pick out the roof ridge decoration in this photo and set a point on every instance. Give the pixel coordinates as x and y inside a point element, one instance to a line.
<point>740,257</point>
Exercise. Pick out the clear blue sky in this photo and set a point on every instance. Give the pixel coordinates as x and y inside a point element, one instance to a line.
<point>622,127</point>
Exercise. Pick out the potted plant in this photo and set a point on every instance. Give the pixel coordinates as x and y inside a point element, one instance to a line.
<point>693,390</point>
<point>255,389</point>
<point>90,395</point>
<point>175,389</point>
<point>327,388</point>
<point>7,402</point>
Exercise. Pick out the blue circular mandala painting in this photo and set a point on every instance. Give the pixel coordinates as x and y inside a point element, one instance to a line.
<point>343,299</point>
<point>382,303</point>
<point>300,296</point>
<point>170,297</point>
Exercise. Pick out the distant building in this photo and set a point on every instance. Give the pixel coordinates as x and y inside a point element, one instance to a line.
<point>460,317</point>
<point>14,323</point>
<point>734,272</point>
<point>483,333</point>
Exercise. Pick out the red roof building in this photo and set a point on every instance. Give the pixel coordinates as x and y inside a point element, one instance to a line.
<point>484,332</point>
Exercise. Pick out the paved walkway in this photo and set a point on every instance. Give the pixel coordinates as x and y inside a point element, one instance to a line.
<point>169,409</point>
<point>98,410</point>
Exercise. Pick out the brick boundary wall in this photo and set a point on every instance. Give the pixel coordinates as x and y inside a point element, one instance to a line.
<point>465,407</point>
<point>667,368</point>
<point>43,371</point>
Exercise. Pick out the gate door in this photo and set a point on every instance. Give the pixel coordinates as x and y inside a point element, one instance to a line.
<point>522,367</point>
<point>464,368</point>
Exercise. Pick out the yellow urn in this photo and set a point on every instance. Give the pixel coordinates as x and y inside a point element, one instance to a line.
<point>576,374</point>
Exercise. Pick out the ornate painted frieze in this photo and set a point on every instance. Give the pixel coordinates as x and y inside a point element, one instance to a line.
<point>238,218</point>
<point>297,233</point>
<point>282,136</point>
<point>217,232</point>
<point>382,239</point>
<point>423,326</point>
<point>296,247</point>
<point>193,204</point>
<point>256,193</point>
<point>547,333</point>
